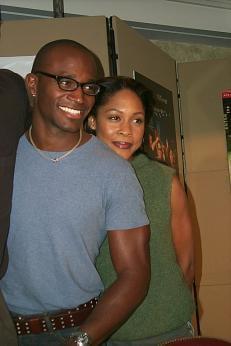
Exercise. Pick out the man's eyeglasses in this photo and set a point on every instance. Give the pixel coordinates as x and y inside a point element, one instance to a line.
<point>70,84</point>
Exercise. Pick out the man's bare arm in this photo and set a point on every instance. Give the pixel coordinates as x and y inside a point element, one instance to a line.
<point>130,256</point>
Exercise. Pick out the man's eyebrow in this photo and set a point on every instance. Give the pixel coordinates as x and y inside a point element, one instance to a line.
<point>64,75</point>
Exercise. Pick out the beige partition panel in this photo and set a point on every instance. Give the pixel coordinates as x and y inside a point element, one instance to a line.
<point>137,53</point>
<point>19,38</point>
<point>207,175</point>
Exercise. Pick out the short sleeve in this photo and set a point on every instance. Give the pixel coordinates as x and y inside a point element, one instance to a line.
<point>125,207</point>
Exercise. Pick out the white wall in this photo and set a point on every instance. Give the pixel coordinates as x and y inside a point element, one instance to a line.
<point>148,11</point>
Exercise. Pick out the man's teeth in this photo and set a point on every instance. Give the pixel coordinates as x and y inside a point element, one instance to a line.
<point>70,110</point>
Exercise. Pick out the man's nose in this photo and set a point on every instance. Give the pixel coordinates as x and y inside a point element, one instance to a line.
<point>77,94</point>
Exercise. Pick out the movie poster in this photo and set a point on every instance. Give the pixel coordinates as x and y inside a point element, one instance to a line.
<point>226,99</point>
<point>160,135</point>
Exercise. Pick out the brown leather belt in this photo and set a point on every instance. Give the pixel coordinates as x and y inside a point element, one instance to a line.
<point>36,324</point>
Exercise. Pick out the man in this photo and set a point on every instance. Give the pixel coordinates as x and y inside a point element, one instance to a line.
<point>70,191</point>
<point>14,108</point>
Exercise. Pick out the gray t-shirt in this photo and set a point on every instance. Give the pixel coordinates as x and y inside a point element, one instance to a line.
<point>61,213</point>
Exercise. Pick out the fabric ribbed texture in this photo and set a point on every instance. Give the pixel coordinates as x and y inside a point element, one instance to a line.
<point>169,303</point>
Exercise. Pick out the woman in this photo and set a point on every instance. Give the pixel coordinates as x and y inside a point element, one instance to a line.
<point>122,109</point>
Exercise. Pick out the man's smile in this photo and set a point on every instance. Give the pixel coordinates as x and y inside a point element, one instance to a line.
<point>73,113</point>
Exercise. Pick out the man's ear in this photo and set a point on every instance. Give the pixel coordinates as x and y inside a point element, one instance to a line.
<point>91,122</point>
<point>31,84</point>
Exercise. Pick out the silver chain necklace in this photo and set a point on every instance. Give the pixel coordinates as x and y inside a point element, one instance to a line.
<point>57,159</point>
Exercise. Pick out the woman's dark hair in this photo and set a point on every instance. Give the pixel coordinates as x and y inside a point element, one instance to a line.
<point>111,85</point>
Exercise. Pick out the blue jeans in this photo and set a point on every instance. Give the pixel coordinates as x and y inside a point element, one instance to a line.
<point>54,338</point>
<point>184,331</point>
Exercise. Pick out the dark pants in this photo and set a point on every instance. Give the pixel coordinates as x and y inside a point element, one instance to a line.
<point>8,335</point>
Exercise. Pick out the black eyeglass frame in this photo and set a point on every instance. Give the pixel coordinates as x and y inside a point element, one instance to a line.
<point>78,84</point>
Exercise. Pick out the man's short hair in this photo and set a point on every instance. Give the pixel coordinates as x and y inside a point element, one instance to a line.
<point>44,50</point>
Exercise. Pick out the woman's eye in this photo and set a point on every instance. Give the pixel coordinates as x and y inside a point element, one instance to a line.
<point>114,117</point>
<point>138,121</point>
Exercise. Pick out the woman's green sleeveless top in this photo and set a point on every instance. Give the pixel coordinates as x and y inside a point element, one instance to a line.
<point>169,302</point>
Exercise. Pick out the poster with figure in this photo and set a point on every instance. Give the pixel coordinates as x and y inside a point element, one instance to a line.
<point>226,99</point>
<point>160,135</point>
